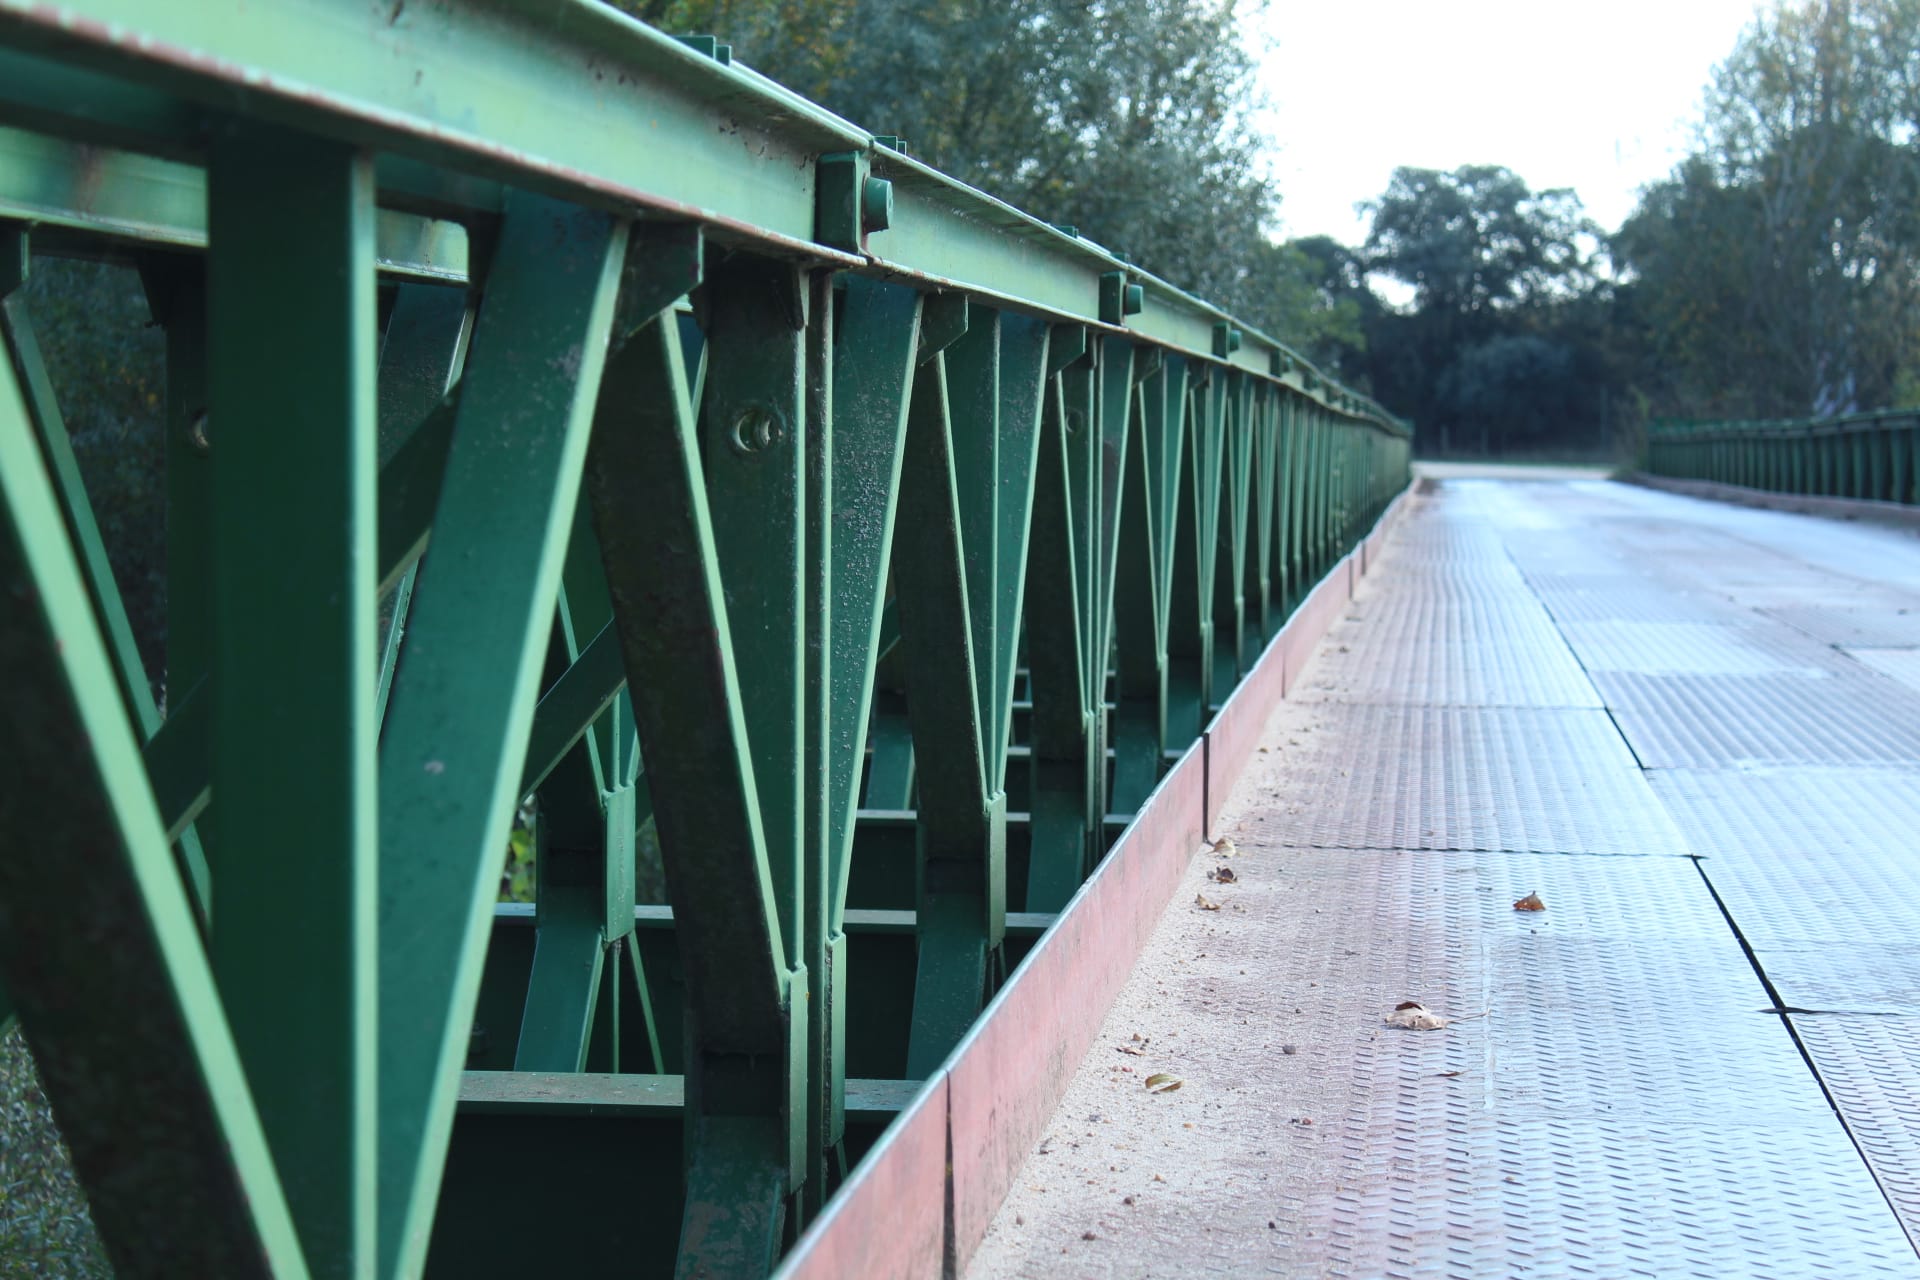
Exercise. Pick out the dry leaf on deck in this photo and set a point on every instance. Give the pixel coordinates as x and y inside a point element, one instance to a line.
<point>1222,875</point>
<point>1161,1082</point>
<point>1412,1016</point>
<point>1530,903</point>
<point>1200,901</point>
<point>1225,847</point>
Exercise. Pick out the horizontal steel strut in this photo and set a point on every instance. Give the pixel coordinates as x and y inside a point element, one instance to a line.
<point>577,442</point>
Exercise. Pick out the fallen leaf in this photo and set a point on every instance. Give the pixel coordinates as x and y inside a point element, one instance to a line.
<point>1446,1075</point>
<point>1410,1016</point>
<point>1408,1004</point>
<point>1200,901</point>
<point>1161,1082</point>
<point>1222,875</point>
<point>1127,1048</point>
<point>1088,1235</point>
<point>1225,847</point>
<point>1530,903</point>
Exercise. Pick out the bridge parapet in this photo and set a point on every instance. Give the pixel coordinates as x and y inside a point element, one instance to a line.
<point>566,423</point>
<point>1869,456</point>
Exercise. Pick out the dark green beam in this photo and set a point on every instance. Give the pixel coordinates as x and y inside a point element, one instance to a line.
<point>290,424</point>
<point>454,744</point>
<point>99,947</point>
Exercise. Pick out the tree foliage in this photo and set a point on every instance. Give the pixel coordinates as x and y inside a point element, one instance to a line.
<point>1777,268</point>
<point>1129,120</point>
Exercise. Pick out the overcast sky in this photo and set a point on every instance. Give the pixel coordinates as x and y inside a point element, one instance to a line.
<point>1600,98</point>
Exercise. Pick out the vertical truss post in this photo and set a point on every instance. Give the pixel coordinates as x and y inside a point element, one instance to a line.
<point>1207,415</point>
<point>854,451</point>
<point>1140,712</point>
<point>962,824</point>
<point>745,1000</point>
<point>747,1117</point>
<point>291,429</point>
<point>1231,656</point>
<point>1168,406</point>
<point>1260,571</point>
<point>455,740</point>
<point>1058,634</point>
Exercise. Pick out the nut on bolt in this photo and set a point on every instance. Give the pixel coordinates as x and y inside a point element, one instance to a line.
<point>876,205</point>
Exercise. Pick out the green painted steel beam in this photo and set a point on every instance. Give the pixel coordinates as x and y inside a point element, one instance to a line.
<point>499,91</point>
<point>108,200</point>
<point>99,946</point>
<point>291,417</point>
<point>455,741</point>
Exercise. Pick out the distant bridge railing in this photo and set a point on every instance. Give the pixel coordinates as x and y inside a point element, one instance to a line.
<point>1860,455</point>
<point>563,420</point>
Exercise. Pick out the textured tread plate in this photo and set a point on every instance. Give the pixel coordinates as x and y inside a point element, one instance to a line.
<point>1887,627</point>
<point>1896,664</point>
<point>1625,1107</point>
<point>1692,649</point>
<point>1827,977</point>
<point>1409,777</point>
<point>1738,721</point>
<point>1798,810</point>
<point>1872,1068</point>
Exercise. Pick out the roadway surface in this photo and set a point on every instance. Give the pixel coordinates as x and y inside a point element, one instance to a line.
<point>1693,730</point>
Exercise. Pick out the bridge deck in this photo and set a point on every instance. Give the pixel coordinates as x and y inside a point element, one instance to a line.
<point>1694,731</point>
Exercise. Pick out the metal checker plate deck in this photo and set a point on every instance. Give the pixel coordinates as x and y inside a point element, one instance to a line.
<point>1626,1108</point>
<point>1872,1068</point>
<point>1623,597</point>
<point>1434,648</point>
<point>1410,777</point>
<point>1886,627</point>
<point>1902,665</point>
<point>1728,813</point>
<point>1733,721</point>
<point>1630,1104</point>
<point>1696,649</point>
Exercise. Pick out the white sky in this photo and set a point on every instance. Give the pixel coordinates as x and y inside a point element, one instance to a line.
<point>1566,93</point>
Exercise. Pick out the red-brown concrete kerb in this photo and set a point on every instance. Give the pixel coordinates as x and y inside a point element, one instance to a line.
<point>890,1220</point>
<point>1007,1078</point>
<point>1236,728</point>
<point>919,1204</point>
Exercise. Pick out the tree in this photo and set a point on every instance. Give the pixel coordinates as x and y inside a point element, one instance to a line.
<point>1477,240</point>
<point>1129,120</point>
<point>1779,269</point>
<point>1495,268</point>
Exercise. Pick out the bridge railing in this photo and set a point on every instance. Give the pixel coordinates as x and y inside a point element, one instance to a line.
<point>1860,455</point>
<point>565,425</point>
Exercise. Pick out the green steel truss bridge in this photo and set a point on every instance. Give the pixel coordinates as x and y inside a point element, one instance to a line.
<point>567,426</point>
